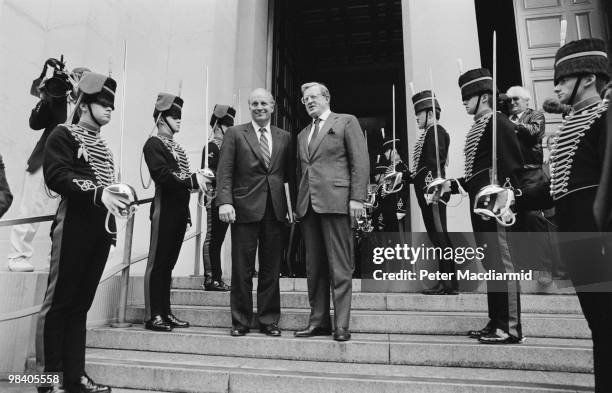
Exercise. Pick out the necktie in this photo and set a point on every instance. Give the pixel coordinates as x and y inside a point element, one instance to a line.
<point>265,149</point>
<point>314,135</point>
<point>514,118</point>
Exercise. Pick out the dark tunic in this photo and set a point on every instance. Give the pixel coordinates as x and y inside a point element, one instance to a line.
<point>77,165</point>
<point>169,169</point>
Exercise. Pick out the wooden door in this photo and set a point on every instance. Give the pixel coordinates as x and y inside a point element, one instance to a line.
<point>538,24</point>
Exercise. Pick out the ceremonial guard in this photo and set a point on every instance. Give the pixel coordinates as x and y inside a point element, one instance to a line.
<point>476,85</point>
<point>392,176</point>
<point>576,160</point>
<point>603,200</point>
<point>78,165</point>
<point>56,95</point>
<point>221,119</point>
<point>425,164</point>
<point>169,168</point>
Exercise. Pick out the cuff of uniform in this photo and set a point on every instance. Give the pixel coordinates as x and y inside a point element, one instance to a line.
<point>98,191</point>
<point>194,181</point>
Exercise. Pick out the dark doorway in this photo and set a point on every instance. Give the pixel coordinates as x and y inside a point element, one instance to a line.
<point>354,47</point>
<point>499,16</point>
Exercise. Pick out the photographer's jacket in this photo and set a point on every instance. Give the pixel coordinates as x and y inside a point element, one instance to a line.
<point>45,115</point>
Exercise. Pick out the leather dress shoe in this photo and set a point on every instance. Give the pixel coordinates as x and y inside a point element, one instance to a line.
<point>238,331</point>
<point>341,334</point>
<point>218,286</point>
<point>499,336</point>
<point>175,322</point>
<point>270,330</point>
<point>482,332</point>
<point>158,324</point>
<point>87,385</point>
<point>312,331</point>
<point>56,388</point>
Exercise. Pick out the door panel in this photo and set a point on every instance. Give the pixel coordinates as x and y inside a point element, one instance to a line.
<point>538,24</point>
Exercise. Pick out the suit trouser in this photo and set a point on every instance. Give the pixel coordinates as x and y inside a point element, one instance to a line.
<point>503,297</point>
<point>439,239</point>
<point>168,225</point>
<point>211,250</point>
<point>329,260</point>
<point>245,237</point>
<point>79,249</point>
<point>591,274</point>
<point>34,202</point>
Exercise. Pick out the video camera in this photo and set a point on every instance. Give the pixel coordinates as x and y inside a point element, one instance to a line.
<point>504,104</point>
<point>58,85</point>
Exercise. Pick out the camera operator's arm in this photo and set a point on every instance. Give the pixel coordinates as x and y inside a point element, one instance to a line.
<point>6,198</point>
<point>531,127</point>
<point>41,115</point>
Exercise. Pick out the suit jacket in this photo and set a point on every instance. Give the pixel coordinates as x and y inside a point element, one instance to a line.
<point>338,169</point>
<point>530,131</point>
<point>243,179</point>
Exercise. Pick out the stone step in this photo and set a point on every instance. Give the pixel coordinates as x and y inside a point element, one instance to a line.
<point>199,373</point>
<point>6,387</point>
<point>542,304</point>
<point>557,287</point>
<point>407,322</point>
<point>544,354</point>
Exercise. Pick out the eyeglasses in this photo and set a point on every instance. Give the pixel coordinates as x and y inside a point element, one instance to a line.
<point>515,98</point>
<point>307,99</point>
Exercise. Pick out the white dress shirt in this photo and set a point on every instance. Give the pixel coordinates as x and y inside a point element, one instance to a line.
<point>323,118</point>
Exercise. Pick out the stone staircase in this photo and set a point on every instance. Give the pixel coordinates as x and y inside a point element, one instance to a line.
<point>402,342</point>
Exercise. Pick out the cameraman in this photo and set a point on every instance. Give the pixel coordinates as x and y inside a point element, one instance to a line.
<point>56,101</point>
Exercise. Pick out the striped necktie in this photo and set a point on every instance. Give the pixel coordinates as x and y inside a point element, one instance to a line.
<point>265,148</point>
<point>314,135</point>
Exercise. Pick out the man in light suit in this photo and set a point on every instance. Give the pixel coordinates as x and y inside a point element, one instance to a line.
<point>253,165</point>
<point>333,177</point>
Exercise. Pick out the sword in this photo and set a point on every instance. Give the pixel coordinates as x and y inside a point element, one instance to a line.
<point>494,189</point>
<point>292,232</point>
<point>438,182</point>
<point>123,91</point>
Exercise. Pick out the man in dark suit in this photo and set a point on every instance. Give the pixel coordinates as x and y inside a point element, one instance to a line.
<point>253,165</point>
<point>333,172</point>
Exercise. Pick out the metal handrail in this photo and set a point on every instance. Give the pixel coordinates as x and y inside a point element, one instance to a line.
<point>27,220</point>
<point>122,267</point>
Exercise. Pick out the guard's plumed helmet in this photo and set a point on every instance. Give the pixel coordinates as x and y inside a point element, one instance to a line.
<point>586,56</point>
<point>475,82</point>
<point>422,102</point>
<point>98,88</point>
<point>223,115</point>
<point>168,105</point>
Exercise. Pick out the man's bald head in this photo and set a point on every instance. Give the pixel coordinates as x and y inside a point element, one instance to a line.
<point>261,92</point>
<point>261,105</point>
